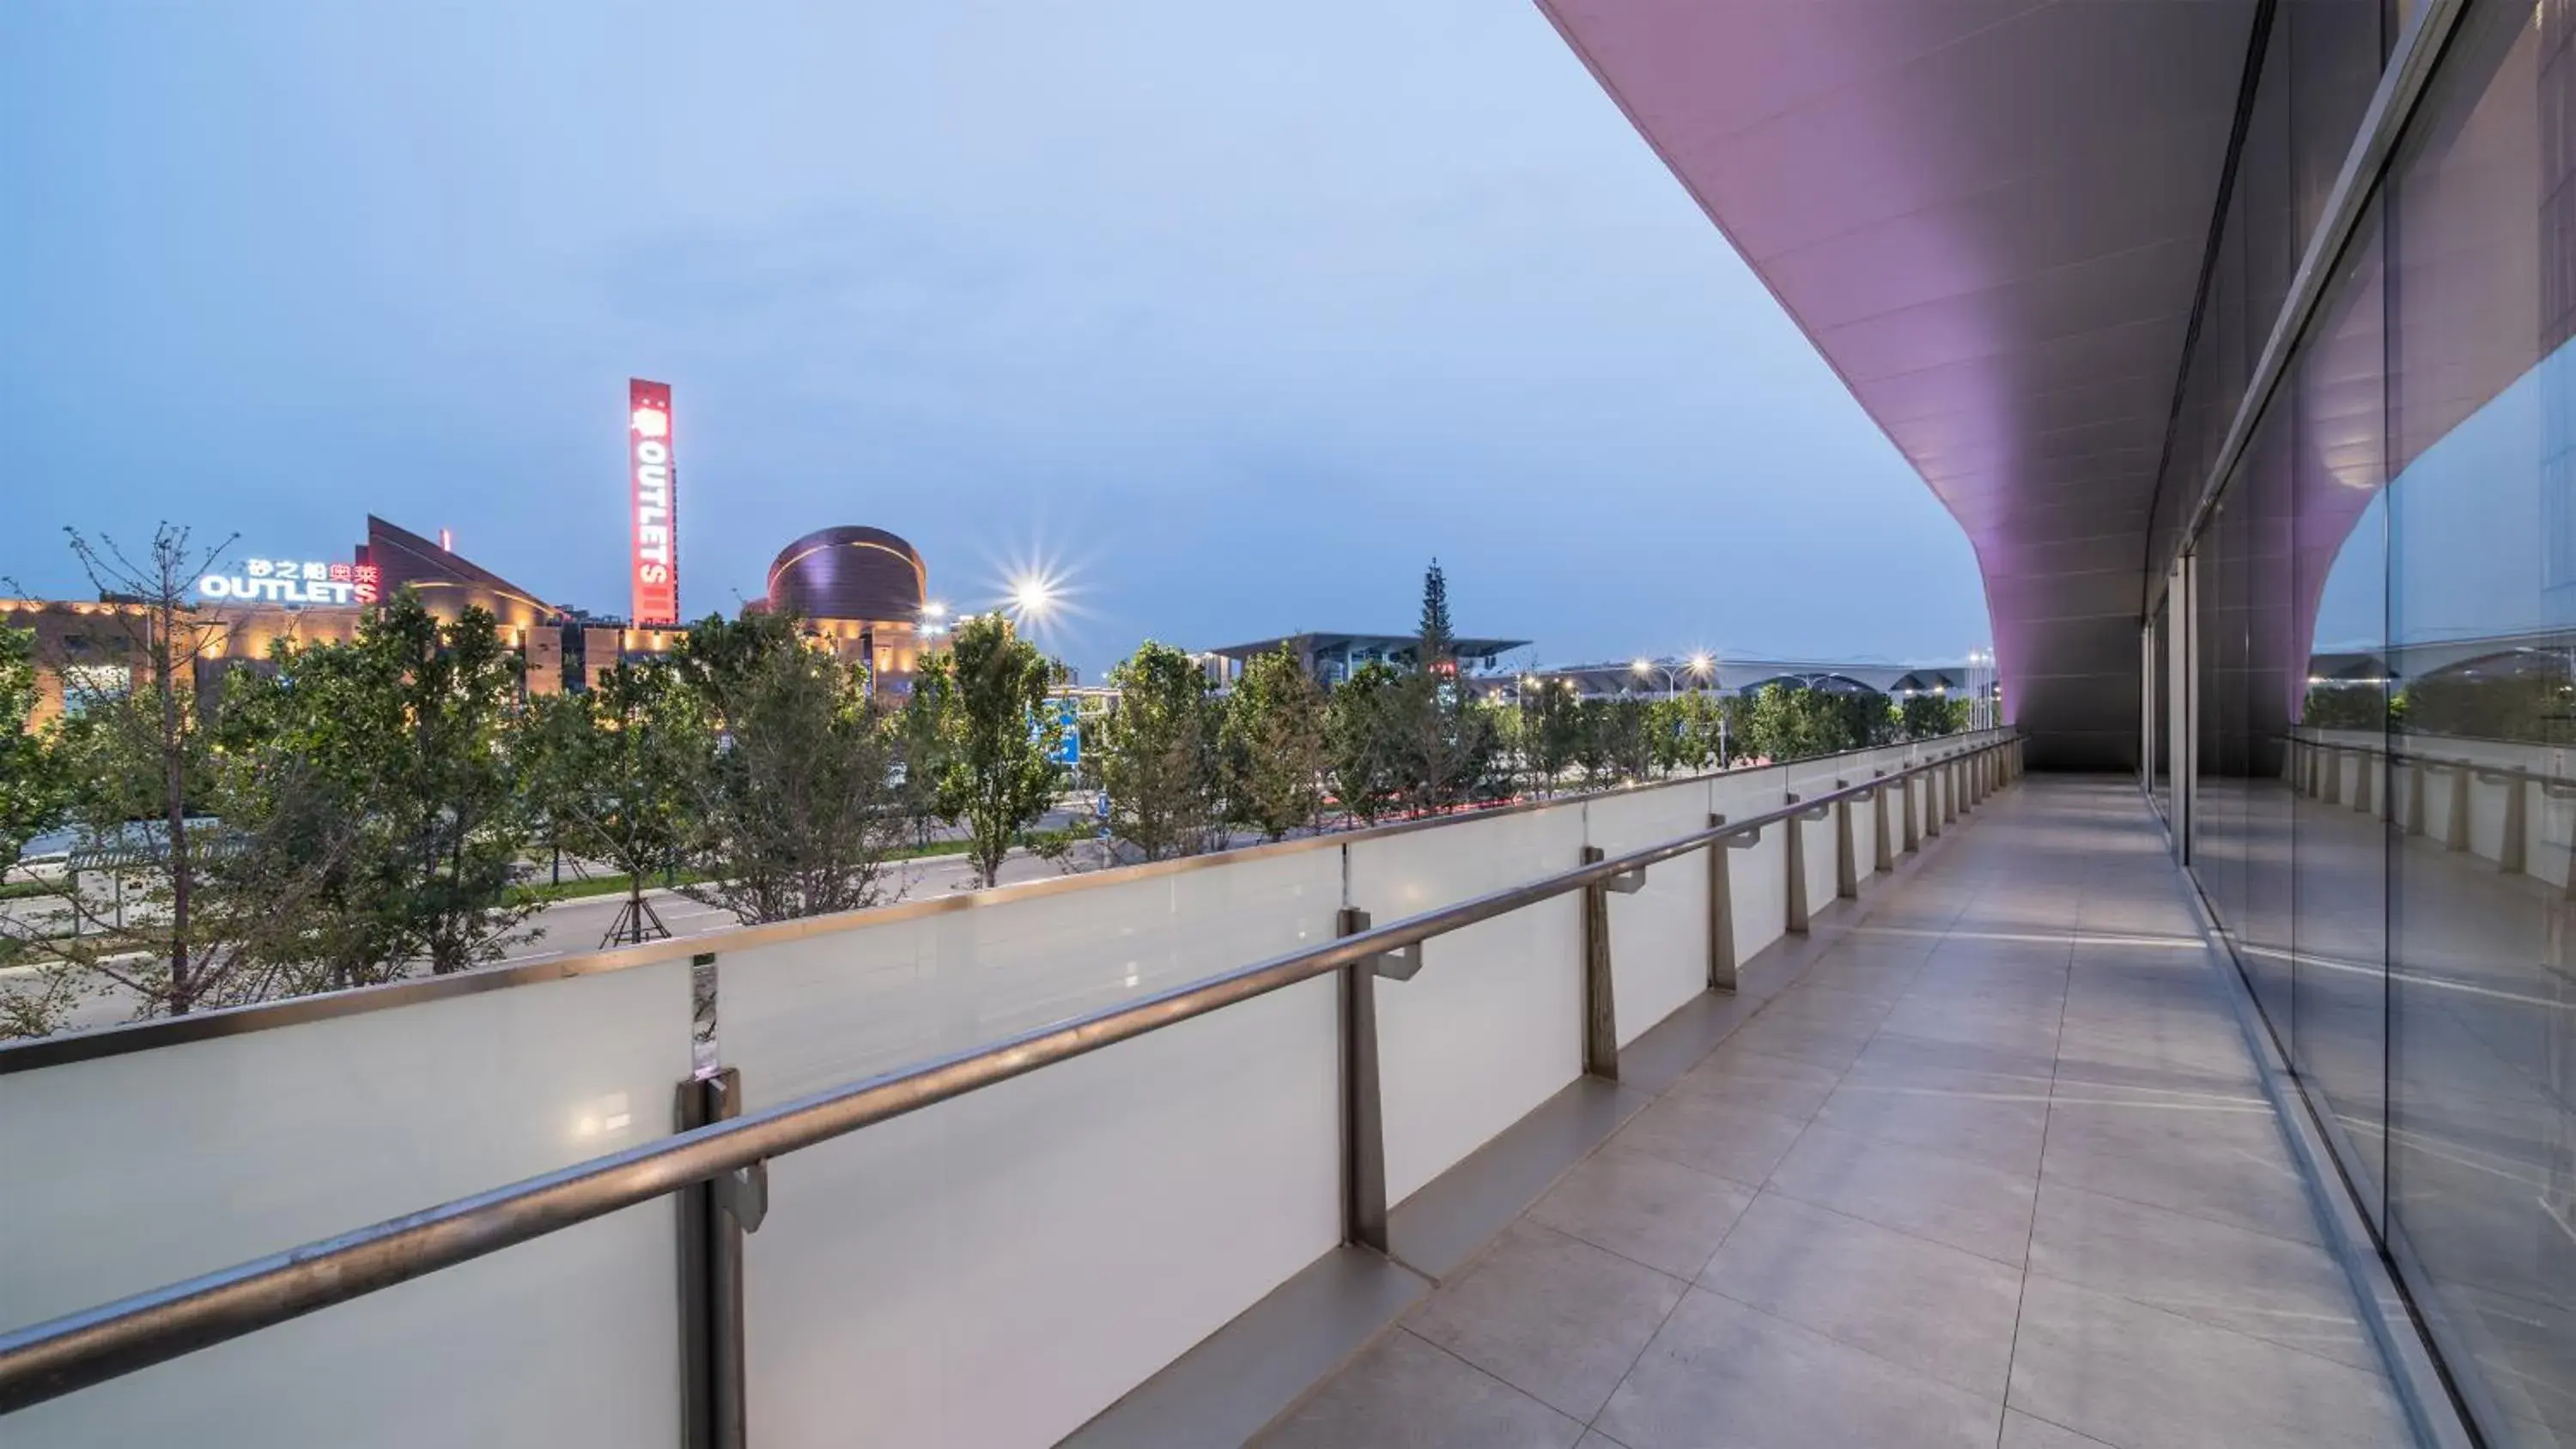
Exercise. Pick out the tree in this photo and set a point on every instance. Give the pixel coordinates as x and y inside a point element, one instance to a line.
<point>1158,755</point>
<point>1438,639</point>
<point>1275,747</point>
<point>920,756</point>
<point>1929,716</point>
<point>1685,732</point>
<point>31,802</point>
<point>189,876</point>
<point>1443,751</point>
<point>31,797</point>
<point>1555,733</point>
<point>621,766</point>
<point>1861,719</point>
<point>404,737</point>
<point>1363,731</point>
<point>1612,741</point>
<point>795,807</point>
<point>449,803</point>
<point>988,691</point>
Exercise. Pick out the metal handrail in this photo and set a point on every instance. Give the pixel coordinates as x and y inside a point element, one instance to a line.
<point>42,1053</point>
<point>2494,774</point>
<point>47,1360</point>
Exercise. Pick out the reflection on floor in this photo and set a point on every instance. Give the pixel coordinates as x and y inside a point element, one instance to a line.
<point>2453,1085</point>
<point>1995,1170</point>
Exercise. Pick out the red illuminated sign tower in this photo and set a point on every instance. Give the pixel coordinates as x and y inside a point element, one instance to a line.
<point>654,528</point>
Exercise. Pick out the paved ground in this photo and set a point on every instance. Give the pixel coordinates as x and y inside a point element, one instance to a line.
<point>1996,1171</point>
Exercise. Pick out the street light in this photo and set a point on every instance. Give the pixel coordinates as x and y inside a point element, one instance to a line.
<point>1033,596</point>
<point>1699,666</point>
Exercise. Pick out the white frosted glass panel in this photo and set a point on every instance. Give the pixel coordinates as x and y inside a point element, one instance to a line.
<point>1658,936</point>
<point>1757,876</point>
<point>1493,1024</point>
<point>995,1270</point>
<point>2486,818</point>
<point>799,1016</point>
<point>137,1170</point>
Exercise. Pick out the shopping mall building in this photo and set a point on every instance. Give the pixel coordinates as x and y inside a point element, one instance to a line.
<point>858,590</point>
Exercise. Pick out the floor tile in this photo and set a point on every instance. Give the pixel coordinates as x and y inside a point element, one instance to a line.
<point>1551,1315</point>
<point>1743,1078</point>
<point>2290,1293</point>
<point>2142,1378</point>
<point>1403,1393</point>
<point>1720,1375</point>
<point>1644,1207</point>
<point>1742,1143</point>
<point>1805,1038</point>
<point>1996,1120</point>
<point>2215,1160</point>
<point>2021,1431</point>
<point>1916,1303</point>
<point>1804,997</point>
<point>1978,1209</point>
<point>1896,1057</point>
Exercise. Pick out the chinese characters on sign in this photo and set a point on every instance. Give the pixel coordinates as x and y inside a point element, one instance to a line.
<point>293,581</point>
<point>654,476</point>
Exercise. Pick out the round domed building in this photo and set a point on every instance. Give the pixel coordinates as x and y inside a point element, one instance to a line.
<point>863,588</point>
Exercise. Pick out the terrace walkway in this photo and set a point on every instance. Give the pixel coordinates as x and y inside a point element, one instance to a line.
<point>1994,1168</point>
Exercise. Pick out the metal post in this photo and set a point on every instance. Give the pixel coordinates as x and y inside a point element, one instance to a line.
<point>1885,859</point>
<point>1846,858</point>
<point>2517,823</point>
<point>1600,1007</point>
<point>1797,855</point>
<point>713,1218</point>
<point>1363,1120</point>
<point>1721,914</point>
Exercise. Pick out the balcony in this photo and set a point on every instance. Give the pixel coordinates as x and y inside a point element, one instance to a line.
<point>1886,1098</point>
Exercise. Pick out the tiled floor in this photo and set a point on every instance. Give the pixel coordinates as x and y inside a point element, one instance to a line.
<point>1994,1171</point>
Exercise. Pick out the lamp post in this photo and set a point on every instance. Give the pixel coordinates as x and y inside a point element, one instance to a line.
<point>1701,667</point>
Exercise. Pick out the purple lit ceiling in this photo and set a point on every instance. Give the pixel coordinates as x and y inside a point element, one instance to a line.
<point>1989,217</point>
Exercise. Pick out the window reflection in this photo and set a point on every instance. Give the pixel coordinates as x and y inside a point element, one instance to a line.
<point>2386,661</point>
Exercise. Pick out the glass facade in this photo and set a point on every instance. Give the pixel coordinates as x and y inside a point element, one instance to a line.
<point>2382,664</point>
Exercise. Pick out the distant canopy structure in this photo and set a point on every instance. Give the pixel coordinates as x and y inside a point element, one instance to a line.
<point>849,573</point>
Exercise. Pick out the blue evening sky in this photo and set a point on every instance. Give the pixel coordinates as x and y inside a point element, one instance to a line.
<point>1233,315</point>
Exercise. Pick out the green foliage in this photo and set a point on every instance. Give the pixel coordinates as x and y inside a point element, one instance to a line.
<point>190,878</point>
<point>1786,722</point>
<point>1437,636</point>
<point>2537,707</point>
<point>1159,762</point>
<point>1612,742</point>
<point>796,811</point>
<point>987,693</point>
<point>2342,706</point>
<point>1930,716</point>
<point>385,765</point>
<point>1363,729</point>
<point>1685,732</point>
<point>1444,751</point>
<point>31,784</point>
<point>1275,746</point>
<point>622,767</point>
